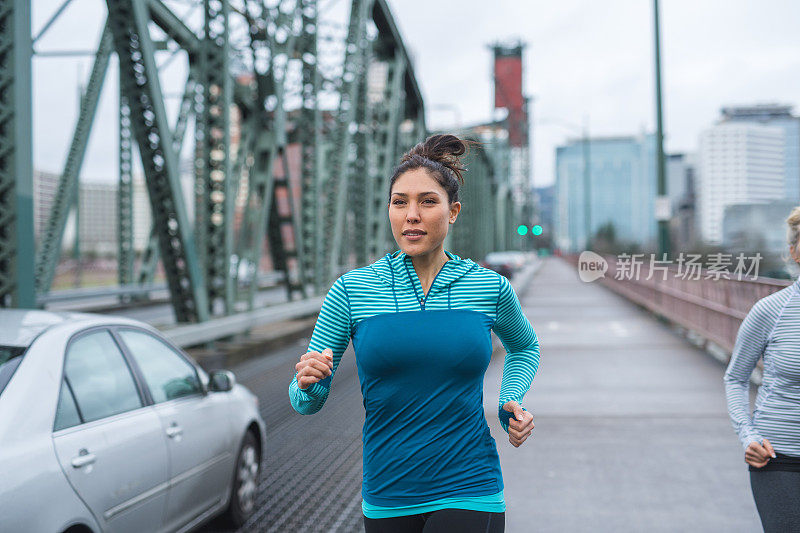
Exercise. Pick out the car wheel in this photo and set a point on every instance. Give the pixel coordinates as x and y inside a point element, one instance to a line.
<point>245,483</point>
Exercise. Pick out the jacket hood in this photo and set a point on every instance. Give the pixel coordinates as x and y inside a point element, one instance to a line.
<point>396,270</point>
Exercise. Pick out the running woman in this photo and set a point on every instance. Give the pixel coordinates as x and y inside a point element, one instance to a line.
<point>771,437</point>
<point>420,320</point>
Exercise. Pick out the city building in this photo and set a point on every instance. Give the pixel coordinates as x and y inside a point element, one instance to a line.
<point>739,163</point>
<point>681,184</point>
<point>97,218</point>
<point>544,202</point>
<point>757,227</point>
<point>780,116</point>
<point>142,217</point>
<point>622,190</point>
<point>681,172</point>
<point>45,189</point>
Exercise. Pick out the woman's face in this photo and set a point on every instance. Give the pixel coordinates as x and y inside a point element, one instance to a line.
<point>420,213</point>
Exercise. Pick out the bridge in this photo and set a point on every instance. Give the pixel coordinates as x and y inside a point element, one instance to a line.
<point>632,431</point>
<point>284,115</point>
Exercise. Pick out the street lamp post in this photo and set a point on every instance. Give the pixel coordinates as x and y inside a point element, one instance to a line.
<point>587,205</point>
<point>662,202</point>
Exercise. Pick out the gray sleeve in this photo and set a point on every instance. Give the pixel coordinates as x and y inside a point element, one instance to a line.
<point>751,341</point>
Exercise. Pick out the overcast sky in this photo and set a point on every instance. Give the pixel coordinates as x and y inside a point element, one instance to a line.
<point>584,60</point>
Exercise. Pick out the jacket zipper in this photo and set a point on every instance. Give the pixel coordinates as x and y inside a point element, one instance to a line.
<point>425,296</point>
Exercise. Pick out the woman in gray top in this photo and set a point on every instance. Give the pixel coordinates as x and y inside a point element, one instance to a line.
<point>771,437</point>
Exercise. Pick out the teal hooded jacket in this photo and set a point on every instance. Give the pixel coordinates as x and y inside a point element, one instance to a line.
<point>418,356</point>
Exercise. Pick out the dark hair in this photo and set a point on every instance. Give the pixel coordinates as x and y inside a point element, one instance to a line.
<point>440,155</point>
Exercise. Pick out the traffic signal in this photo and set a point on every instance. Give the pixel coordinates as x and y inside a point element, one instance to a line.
<point>522,229</point>
<point>536,230</point>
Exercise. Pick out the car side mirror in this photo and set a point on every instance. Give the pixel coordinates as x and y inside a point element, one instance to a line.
<point>221,381</point>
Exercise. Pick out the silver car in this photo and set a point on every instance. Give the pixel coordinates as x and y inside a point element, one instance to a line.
<point>106,426</point>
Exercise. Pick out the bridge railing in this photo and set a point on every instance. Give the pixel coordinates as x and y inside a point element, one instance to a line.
<point>705,303</point>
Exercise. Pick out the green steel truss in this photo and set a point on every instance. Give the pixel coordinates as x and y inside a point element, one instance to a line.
<point>50,247</point>
<point>139,77</point>
<point>473,235</point>
<point>368,138</point>
<point>269,210</point>
<point>149,260</point>
<point>309,138</point>
<point>340,162</point>
<point>214,208</point>
<point>268,87</point>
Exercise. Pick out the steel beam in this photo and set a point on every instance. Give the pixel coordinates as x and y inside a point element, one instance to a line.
<point>149,261</point>
<point>129,23</point>
<point>16,169</point>
<point>261,132</point>
<point>309,136</point>
<point>184,112</point>
<point>125,257</point>
<point>214,227</point>
<point>384,21</point>
<point>174,27</point>
<point>270,210</point>
<point>50,246</point>
<point>147,270</point>
<point>386,146</point>
<point>361,160</point>
<point>343,153</point>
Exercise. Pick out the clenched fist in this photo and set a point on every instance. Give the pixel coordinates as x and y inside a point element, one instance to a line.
<point>314,367</point>
<point>520,425</point>
<point>758,455</point>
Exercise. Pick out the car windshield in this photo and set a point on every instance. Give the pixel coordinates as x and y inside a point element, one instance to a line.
<point>10,358</point>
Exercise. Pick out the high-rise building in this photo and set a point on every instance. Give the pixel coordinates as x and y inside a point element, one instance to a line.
<point>622,181</point>
<point>99,225</point>
<point>681,172</point>
<point>45,189</point>
<point>98,218</point>
<point>142,216</point>
<point>544,200</point>
<point>739,163</point>
<point>782,117</point>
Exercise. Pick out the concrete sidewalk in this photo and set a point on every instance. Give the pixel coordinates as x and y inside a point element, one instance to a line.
<point>632,432</point>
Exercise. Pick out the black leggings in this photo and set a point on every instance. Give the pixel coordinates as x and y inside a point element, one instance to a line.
<point>777,496</point>
<point>442,521</point>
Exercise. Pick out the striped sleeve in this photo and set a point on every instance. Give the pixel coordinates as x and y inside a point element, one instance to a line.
<point>332,330</point>
<point>751,341</point>
<point>522,349</point>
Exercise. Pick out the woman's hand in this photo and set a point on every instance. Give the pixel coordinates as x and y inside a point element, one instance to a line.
<point>520,425</point>
<point>757,454</point>
<point>314,367</point>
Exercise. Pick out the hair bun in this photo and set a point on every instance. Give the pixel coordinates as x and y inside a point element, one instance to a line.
<point>444,149</point>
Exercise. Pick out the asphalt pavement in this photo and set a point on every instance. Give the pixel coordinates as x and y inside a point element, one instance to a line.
<point>632,433</point>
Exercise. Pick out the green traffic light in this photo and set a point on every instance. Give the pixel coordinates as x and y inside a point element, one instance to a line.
<point>536,230</point>
<point>522,229</point>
